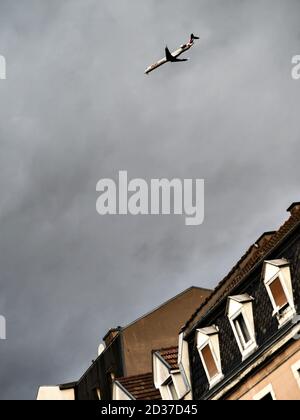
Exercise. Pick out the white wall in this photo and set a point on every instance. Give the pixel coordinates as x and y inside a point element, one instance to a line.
<point>119,394</point>
<point>53,393</point>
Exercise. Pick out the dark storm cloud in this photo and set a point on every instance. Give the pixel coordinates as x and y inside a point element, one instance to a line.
<point>77,107</point>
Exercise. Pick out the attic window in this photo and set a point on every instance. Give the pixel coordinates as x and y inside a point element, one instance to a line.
<point>278,282</point>
<point>278,294</point>
<point>242,330</point>
<point>240,314</point>
<point>172,391</point>
<point>209,351</point>
<point>209,361</point>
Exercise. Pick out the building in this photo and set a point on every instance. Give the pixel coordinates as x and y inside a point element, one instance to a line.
<point>244,341</point>
<point>127,354</point>
<point>239,342</point>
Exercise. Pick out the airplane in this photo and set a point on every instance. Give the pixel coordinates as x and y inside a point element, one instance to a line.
<point>173,57</point>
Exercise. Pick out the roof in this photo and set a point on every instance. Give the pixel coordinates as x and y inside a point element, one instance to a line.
<point>112,331</point>
<point>278,263</point>
<point>257,253</point>
<point>206,292</point>
<point>209,330</point>
<point>242,298</point>
<point>117,330</point>
<point>293,206</point>
<point>141,387</point>
<point>170,356</point>
<point>203,293</point>
<point>64,387</point>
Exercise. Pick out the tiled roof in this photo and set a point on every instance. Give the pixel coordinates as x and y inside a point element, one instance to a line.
<point>141,387</point>
<point>257,252</point>
<point>170,356</point>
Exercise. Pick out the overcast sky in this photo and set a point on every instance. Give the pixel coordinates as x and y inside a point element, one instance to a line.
<point>77,107</point>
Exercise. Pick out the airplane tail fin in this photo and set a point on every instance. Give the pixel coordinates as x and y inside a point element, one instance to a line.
<point>193,37</point>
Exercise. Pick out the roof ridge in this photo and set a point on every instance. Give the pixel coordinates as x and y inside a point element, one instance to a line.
<point>165,303</point>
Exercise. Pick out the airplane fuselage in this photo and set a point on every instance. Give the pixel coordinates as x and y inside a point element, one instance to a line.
<point>183,48</point>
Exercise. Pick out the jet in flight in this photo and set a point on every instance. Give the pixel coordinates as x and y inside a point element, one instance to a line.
<point>173,57</point>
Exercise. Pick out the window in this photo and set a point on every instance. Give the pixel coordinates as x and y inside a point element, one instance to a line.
<point>267,394</point>
<point>278,294</point>
<point>209,351</point>
<point>296,372</point>
<point>209,361</point>
<point>278,282</point>
<point>167,376</point>
<point>267,397</point>
<point>242,330</point>
<point>240,314</point>
<point>172,390</point>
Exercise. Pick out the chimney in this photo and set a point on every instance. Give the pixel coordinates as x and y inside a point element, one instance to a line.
<point>263,239</point>
<point>294,208</point>
<point>109,337</point>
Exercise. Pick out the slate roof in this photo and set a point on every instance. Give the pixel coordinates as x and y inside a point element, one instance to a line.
<point>141,387</point>
<point>256,253</point>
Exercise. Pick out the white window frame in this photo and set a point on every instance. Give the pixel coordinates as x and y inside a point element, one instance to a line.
<point>163,375</point>
<point>168,385</point>
<point>184,363</point>
<point>290,312</point>
<point>246,349</point>
<point>296,372</point>
<point>267,390</point>
<point>213,381</point>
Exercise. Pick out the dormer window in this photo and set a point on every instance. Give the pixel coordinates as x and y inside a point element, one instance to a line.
<point>209,351</point>
<point>240,314</point>
<point>209,361</point>
<point>242,330</point>
<point>278,294</point>
<point>172,390</point>
<point>167,375</point>
<point>278,282</point>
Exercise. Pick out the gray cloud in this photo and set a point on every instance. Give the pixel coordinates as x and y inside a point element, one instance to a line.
<point>77,107</point>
